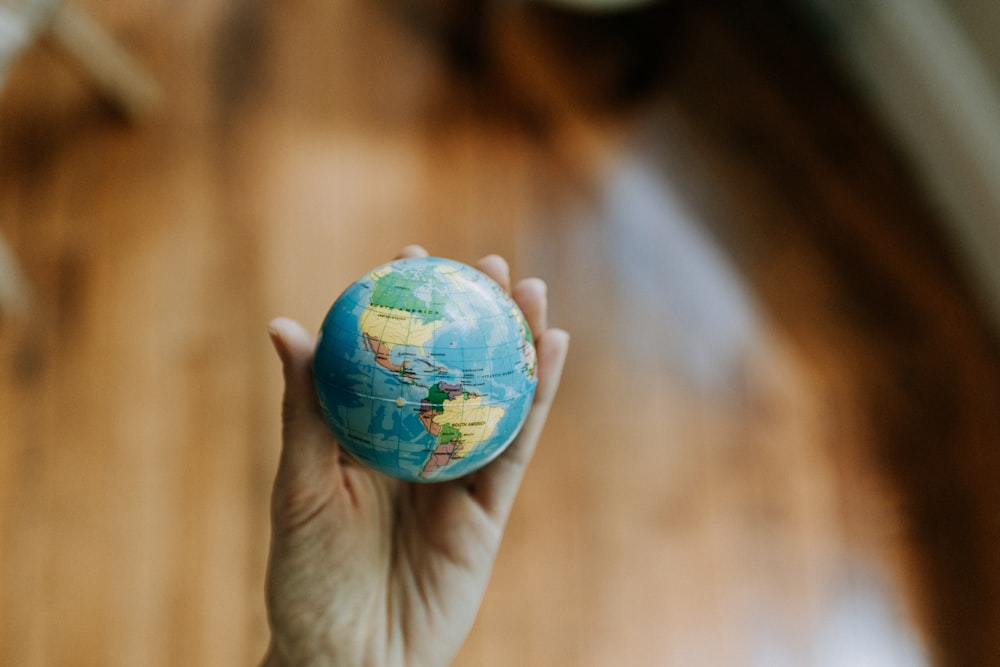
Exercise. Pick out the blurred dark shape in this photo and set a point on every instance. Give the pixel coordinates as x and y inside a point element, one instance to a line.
<point>605,61</point>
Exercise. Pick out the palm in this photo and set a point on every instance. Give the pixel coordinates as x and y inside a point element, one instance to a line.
<point>370,570</point>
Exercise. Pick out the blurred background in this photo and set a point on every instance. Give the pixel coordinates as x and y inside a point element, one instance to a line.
<point>771,228</point>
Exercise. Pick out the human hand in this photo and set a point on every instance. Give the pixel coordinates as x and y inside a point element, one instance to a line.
<point>370,570</point>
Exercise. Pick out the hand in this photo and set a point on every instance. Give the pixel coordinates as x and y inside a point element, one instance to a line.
<point>369,570</point>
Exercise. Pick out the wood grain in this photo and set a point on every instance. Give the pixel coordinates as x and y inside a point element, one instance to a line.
<point>774,443</point>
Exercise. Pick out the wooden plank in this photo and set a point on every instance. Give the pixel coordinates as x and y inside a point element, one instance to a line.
<point>706,493</point>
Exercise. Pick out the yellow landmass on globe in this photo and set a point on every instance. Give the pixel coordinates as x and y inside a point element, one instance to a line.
<point>467,415</point>
<point>392,326</point>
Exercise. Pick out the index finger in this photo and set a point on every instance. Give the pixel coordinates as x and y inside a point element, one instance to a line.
<point>495,486</point>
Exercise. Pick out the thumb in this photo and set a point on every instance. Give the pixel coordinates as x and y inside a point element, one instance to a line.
<point>295,349</point>
<point>309,450</point>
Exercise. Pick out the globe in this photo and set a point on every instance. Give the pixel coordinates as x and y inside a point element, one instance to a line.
<point>425,369</point>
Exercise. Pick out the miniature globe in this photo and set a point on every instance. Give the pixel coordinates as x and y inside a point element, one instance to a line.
<point>425,369</point>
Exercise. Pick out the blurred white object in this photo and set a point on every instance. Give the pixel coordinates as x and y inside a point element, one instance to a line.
<point>933,74</point>
<point>864,627</point>
<point>115,74</point>
<point>20,23</point>
<point>118,78</point>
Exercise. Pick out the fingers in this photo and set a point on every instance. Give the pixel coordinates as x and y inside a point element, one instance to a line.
<point>496,268</point>
<point>295,349</point>
<point>531,295</point>
<point>496,485</point>
<point>412,251</point>
<point>309,453</point>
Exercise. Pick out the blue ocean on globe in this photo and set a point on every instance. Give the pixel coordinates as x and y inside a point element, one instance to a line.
<point>425,369</point>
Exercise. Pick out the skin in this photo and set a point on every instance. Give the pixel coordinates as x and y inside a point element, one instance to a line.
<point>370,571</point>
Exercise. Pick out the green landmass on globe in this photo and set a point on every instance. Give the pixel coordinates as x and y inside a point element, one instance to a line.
<point>425,369</point>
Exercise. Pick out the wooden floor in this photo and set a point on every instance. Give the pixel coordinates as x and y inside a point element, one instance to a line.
<point>776,441</point>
